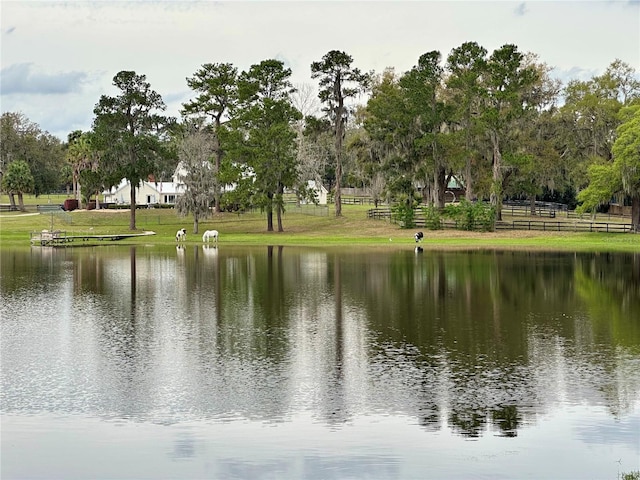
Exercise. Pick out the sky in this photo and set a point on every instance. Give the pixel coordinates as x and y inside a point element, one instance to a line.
<point>58,58</point>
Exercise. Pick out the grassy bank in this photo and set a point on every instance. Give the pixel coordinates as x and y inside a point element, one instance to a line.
<point>353,228</point>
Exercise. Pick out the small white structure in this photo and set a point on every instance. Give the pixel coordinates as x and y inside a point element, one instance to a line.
<point>319,190</point>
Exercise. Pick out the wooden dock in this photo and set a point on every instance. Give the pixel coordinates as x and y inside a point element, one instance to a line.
<point>58,238</point>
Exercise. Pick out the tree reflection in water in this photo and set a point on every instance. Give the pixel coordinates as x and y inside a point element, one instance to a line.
<point>468,341</point>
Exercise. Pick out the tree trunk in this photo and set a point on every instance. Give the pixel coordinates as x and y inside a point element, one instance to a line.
<point>12,201</point>
<point>132,213</point>
<point>436,189</point>
<point>270,213</point>
<point>427,194</point>
<point>279,207</point>
<point>426,199</point>
<point>439,187</point>
<point>635,213</point>
<point>339,132</point>
<point>75,184</point>
<point>21,202</point>
<point>195,224</point>
<point>496,184</point>
<point>439,176</point>
<point>338,196</point>
<point>468,191</point>
<point>468,168</point>
<point>216,148</point>
<point>532,204</point>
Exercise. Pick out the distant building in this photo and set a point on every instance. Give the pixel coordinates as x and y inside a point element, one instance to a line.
<point>147,193</point>
<point>319,190</point>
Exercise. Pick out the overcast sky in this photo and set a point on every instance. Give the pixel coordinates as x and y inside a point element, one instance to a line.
<point>59,57</point>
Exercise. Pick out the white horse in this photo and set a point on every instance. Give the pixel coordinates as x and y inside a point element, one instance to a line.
<point>181,235</point>
<point>210,235</point>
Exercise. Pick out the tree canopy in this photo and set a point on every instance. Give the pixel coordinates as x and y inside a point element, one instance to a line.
<point>266,118</point>
<point>498,123</point>
<point>18,180</point>
<point>128,132</point>
<point>338,81</point>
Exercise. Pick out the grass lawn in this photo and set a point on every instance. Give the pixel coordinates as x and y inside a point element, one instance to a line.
<point>353,228</point>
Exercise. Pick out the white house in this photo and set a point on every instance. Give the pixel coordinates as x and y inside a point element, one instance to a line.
<point>147,193</point>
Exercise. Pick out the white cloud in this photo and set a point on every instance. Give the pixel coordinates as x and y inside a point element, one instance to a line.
<point>81,45</point>
<point>23,78</point>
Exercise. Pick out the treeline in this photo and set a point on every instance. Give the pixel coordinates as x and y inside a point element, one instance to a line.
<point>496,121</point>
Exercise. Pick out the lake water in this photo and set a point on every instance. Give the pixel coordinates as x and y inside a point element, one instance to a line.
<point>311,363</point>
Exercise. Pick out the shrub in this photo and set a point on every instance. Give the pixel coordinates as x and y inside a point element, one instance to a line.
<point>432,218</point>
<point>404,214</point>
<point>472,216</point>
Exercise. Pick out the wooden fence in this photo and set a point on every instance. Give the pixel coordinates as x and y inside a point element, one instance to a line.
<point>353,200</point>
<point>541,225</point>
<point>565,226</point>
<point>525,211</point>
<point>379,213</point>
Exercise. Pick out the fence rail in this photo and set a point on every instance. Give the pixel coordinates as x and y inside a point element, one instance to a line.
<point>357,201</point>
<point>49,208</point>
<point>309,209</point>
<point>541,225</point>
<point>353,200</point>
<point>379,213</point>
<point>55,209</point>
<point>525,211</point>
<point>565,226</point>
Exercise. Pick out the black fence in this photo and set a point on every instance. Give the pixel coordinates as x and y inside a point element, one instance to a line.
<point>525,210</point>
<point>379,213</point>
<point>541,225</point>
<point>565,226</point>
<point>356,201</point>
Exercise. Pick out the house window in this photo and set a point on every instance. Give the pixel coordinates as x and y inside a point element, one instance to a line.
<point>169,199</point>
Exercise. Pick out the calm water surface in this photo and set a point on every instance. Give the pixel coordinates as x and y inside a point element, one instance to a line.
<point>308,363</point>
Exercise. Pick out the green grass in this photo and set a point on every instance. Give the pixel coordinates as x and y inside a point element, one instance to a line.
<point>353,228</point>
